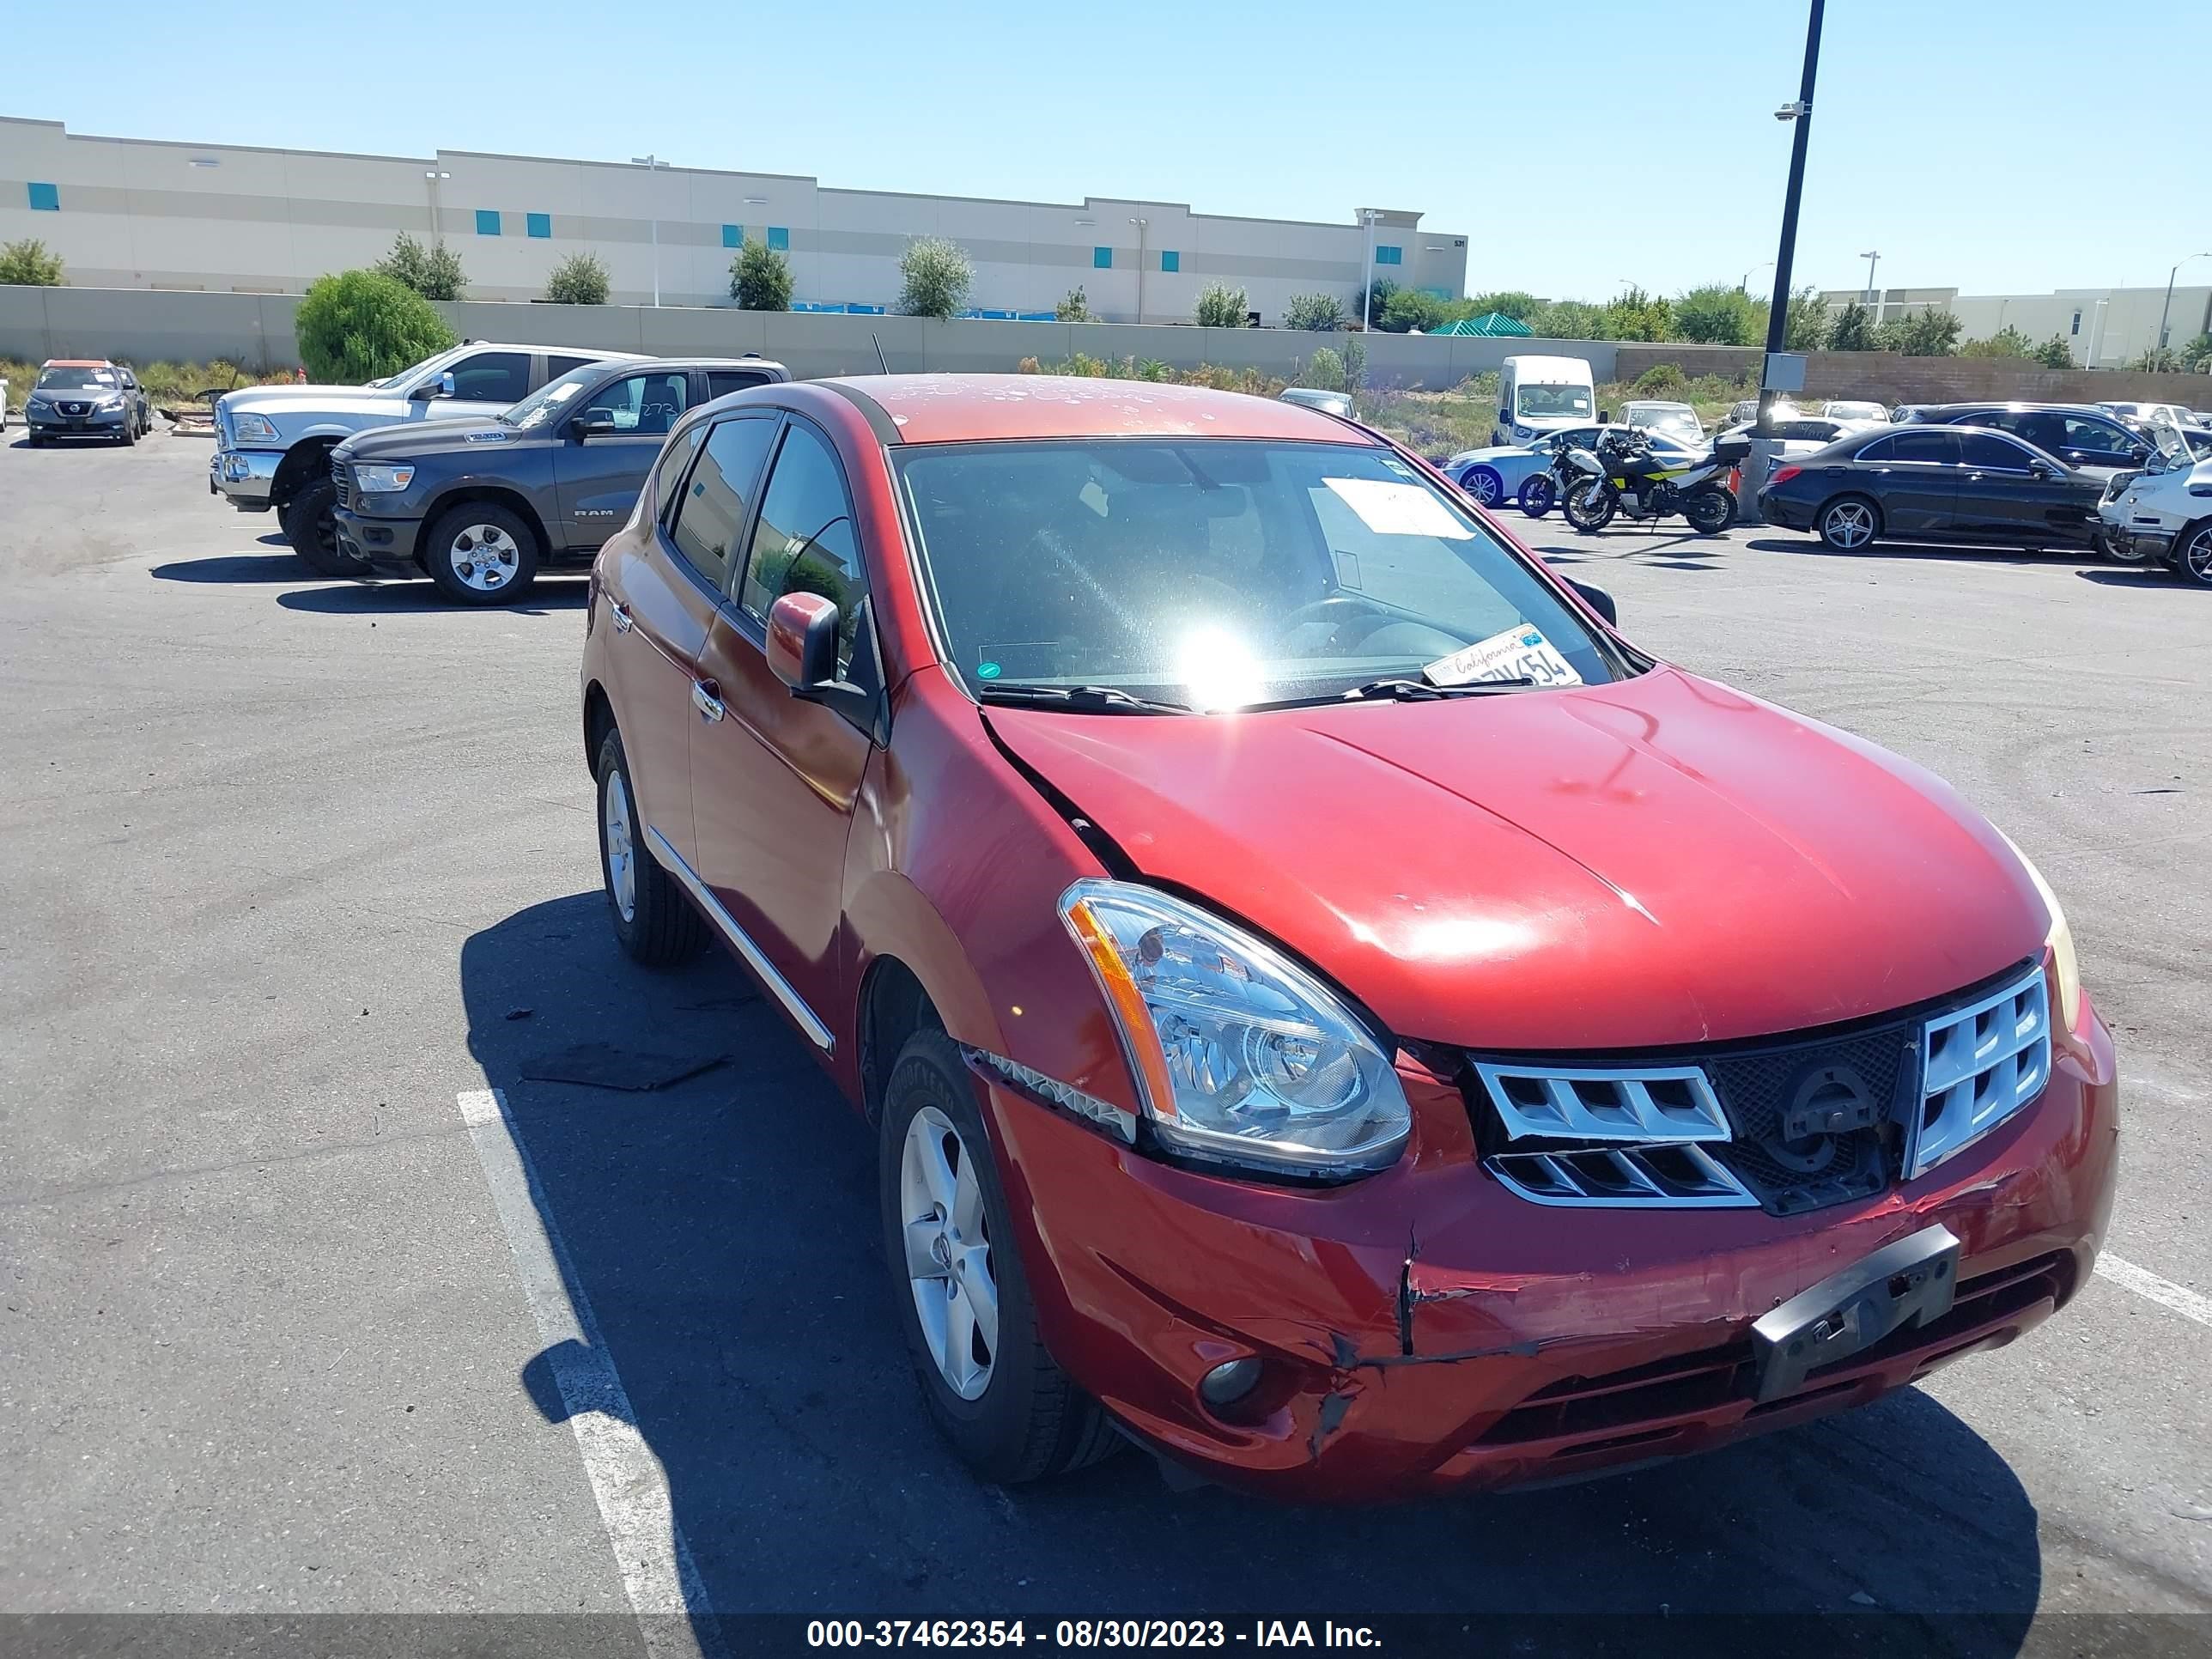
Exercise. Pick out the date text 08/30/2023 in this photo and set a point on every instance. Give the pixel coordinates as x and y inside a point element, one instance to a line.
<point>1087,1633</point>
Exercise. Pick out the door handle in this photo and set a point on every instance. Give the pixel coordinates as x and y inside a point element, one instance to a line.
<point>706,697</point>
<point>620,612</point>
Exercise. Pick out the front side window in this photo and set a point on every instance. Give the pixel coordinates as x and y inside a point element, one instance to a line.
<point>805,542</point>
<point>641,405</point>
<point>1221,572</point>
<point>493,377</point>
<point>712,515</point>
<point>1979,449</point>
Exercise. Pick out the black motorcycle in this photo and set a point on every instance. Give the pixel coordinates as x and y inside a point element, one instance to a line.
<point>1623,476</point>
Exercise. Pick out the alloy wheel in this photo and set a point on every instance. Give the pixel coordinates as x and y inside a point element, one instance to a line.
<point>948,1252</point>
<point>1849,524</point>
<point>2196,559</point>
<point>484,556</point>
<point>622,851</point>
<point>1483,484</point>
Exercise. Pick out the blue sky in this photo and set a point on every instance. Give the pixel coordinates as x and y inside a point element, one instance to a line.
<point>1993,145</point>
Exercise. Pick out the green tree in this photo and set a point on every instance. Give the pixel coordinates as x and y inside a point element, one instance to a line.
<point>1569,320</point>
<point>1325,369</point>
<point>1371,300</point>
<point>1853,329</point>
<point>2159,360</point>
<point>1805,328</point>
<point>2054,353</point>
<point>1221,306</point>
<point>2007,341</point>
<point>434,272</point>
<point>760,278</point>
<point>361,324</point>
<point>1508,301</point>
<point>936,276</point>
<point>579,280</point>
<point>1320,313</point>
<point>1718,314</point>
<point>1075,308</point>
<point>2194,355</point>
<point>1928,332</point>
<point>1636,315</point>
<point>1355,367</point>
<point>28,265</point>
<point>1409,309</point>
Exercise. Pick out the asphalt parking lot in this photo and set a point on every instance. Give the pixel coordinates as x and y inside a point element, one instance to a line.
<point>295,1321</point>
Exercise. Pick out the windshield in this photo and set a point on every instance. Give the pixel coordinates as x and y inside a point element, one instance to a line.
<point>550,399</point>
<point>1848,411</point>
<point>413,369</point>
<point>1568,400</point>
<point>77,379</point>
<point>1217,573</point>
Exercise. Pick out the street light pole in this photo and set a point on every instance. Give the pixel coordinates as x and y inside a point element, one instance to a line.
<point>1367,318</point>
<point>1778,316</point>
<point>1745,284</point>
<point>431,176</point>
<point>1140,224</point>
<point>2166,310</point>
<point>1872,257</point>
<point>649,163</point>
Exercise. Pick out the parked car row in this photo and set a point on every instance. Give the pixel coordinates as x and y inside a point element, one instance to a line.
<point>475,467</point>
<point>83,398</point>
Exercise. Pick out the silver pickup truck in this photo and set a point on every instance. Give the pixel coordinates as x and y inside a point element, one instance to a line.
<point>273,442</point>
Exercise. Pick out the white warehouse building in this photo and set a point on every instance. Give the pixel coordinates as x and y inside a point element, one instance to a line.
<point>138,213</point>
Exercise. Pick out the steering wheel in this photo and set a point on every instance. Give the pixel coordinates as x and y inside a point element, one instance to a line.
<point>1320,610</point>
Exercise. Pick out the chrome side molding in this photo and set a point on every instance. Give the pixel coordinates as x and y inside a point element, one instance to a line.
<point>741,941</point>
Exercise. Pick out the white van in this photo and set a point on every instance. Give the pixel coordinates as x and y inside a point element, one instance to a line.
<point>1540,395</point>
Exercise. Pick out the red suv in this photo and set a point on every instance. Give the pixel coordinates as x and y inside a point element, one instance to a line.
<point>1335,1011</point>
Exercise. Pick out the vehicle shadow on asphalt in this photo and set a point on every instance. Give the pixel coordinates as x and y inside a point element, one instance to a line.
<point>724,1232</point>
<point>233,568</point>
<point>2160,576</point>
<point>1925,552</point>
<point>342,597</point>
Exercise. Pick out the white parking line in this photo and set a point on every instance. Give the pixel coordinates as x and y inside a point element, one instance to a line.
<point>2164,1292</point>
<point>650,1553</point>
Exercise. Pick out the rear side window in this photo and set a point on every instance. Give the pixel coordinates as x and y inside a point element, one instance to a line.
<point>1935,445</point>
<point>805,542</point>
<point>721,382</point>
<point>557,366</point>
<point>712,514</point>
<point>1979,449</point>
<point>493,377</point>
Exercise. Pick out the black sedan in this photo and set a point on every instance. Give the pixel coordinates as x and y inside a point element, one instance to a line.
<point>1947,484</point>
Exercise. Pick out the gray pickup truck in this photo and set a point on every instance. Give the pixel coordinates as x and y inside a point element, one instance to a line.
<point>480,507</point>
<point>273,443</point>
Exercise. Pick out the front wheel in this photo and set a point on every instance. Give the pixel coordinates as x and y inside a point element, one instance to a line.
<point>480,553</point>
<point>2192,555</point>
<point>2123,548</point>
<point>1590,506</point>
<point>1709,510</point>
<point>1484,484</point>
<point>963,1296</point>
<point>312,528</point>
<point>1539,495</point>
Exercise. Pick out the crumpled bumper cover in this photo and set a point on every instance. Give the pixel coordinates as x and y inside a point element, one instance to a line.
<point>1425,1328</point>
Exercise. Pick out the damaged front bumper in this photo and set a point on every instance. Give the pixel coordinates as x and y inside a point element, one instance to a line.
<point>1425,1329</point>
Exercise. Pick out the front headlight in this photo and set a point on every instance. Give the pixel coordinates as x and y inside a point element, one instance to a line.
<point>1240,1055</point>
<point>34,401</point>
<point>257,428</point>
<point>383,480</point>
<point>2059,940</point>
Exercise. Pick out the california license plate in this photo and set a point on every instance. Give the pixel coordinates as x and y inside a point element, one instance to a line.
<point>1518,653</point>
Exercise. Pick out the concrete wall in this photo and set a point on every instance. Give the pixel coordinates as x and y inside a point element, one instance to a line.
<point>255,330</point>
<point>1889,377</point>
<point>132,213</point>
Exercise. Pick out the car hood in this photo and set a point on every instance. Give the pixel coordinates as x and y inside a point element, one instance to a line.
<point>428,438</point>
<point>1492,453</point>
<point>1657,861</point>
<point>280,401</point>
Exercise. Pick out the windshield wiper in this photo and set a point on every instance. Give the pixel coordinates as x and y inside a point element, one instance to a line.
<point>1084,699</point>
<point>1405,690</point>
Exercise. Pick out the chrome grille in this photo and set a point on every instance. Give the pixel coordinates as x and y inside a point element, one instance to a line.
<point>1685,1175</point>
<point>1639,1103</point>
<point>1980,1064</point>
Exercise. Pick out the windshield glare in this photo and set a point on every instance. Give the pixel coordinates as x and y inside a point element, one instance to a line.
<point>1570,400</point>
<point>77,379</point>
<point>550,399</point>
<point>413,369</point>
<point>1219,573</point>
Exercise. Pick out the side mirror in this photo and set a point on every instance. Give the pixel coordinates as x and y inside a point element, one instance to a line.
<point>593,426</point>
<point>424,392</point>
<point>1598,600</point>
<point>802,642</point>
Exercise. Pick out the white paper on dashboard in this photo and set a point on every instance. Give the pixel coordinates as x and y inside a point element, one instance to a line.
<point>1520,653</point>
<point>1399,509</point>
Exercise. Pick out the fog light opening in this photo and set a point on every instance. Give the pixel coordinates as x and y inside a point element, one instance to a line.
<point>1229,1381</point>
